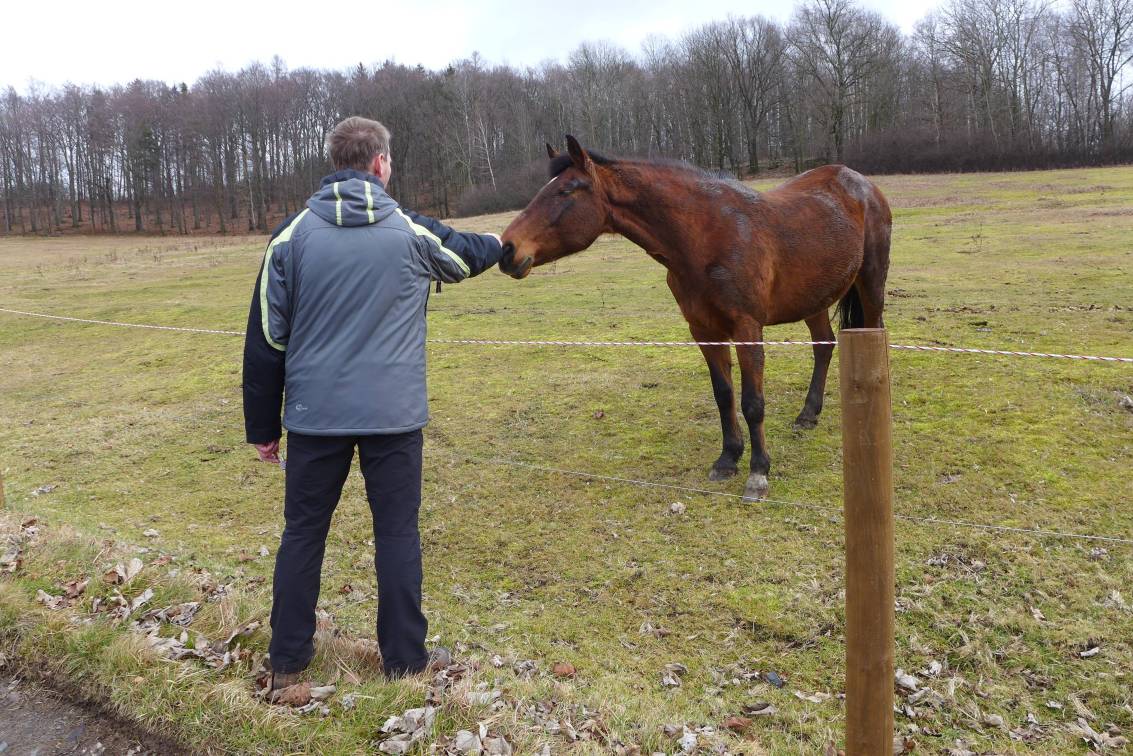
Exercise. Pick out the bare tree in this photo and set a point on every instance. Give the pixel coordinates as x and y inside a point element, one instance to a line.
<point>837,45</point>
<point>980,84</point>
<point>1103,31</point>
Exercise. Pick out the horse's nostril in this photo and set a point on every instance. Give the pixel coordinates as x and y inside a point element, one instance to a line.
<point>509,250</point>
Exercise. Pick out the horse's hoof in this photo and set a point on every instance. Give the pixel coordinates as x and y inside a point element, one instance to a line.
<point>805,423</point>
<point>756,488</point>
<point>722,473</point>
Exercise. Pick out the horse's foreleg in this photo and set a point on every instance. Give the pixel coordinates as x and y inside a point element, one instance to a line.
<point>719,361</point>
<point>751,402</point>
<point>820,330</point>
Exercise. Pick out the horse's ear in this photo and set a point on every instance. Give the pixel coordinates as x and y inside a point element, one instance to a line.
<point>578,155</point>
<point>552,153</point>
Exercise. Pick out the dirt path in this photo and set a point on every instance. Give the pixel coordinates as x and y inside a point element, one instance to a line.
<point>37,722</point>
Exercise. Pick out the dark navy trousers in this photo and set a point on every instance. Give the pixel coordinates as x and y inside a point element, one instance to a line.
<point>317,467</point>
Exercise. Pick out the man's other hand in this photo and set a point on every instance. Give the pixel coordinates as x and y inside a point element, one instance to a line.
<point>268,452</point>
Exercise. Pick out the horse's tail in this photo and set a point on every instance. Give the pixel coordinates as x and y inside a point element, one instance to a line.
<point>849,311</point>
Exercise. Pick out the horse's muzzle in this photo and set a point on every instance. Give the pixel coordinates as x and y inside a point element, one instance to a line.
<point>511,267</point>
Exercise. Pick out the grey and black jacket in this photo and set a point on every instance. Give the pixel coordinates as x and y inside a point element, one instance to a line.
<point>337,323</point>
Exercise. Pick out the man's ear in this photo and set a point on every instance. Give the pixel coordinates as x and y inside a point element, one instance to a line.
<point>578,155</point>
<point>552,153</point>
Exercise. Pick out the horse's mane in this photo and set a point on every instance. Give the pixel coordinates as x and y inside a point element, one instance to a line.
<point>561,162</point>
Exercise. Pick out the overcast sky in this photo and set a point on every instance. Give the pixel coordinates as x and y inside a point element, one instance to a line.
<point>116,41</point>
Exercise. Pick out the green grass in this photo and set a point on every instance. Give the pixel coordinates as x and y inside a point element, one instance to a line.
<point>142,429</point>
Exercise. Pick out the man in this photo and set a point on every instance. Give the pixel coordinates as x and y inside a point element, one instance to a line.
<point>337,325</point>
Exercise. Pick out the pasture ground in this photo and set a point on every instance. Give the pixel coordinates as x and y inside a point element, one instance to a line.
<point>141,431</point>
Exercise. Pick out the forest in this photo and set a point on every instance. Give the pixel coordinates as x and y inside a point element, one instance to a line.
<point>977,85</point>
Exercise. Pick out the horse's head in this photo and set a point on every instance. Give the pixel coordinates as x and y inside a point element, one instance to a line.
<point>565,217</point>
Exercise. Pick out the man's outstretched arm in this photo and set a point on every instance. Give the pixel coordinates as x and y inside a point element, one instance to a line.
<point>452,255</point>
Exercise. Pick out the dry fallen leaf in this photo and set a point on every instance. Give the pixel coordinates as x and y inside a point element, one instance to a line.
<point>121,574</point>
<point>322,692</point>
<point>760,709</point>
<point>141,600</point>
<point>48,600</point>
<point>497,746</point>
<point>466,742</point>
<point>243,631</point>
<point>12,559</point>
<point>647,628</point>
<point>483,697</point>
<point>737,723</point>
<point>906,681</point>
<point>903,745</point>
<point>993,720</point>
<point>1100,740</point>
<point>294,695</point>
<point>398,744</point>
<point>74,588</point>
<point>564,670</point>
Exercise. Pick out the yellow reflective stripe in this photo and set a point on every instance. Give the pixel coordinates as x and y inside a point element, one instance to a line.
<point>337,205</point>
<point>369,202</point>
<point>284,235</point>
<point>422,231</point>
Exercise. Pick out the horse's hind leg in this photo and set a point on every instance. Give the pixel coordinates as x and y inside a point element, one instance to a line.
<point>820,330</point>
<point>751,402</point>
<point>871,294</point>
<point>719,359</point>
<point>870,283</point>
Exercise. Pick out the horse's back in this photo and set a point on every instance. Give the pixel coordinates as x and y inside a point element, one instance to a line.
<point>826,226</point>
<point>838,180</point>
<point>844,197</point>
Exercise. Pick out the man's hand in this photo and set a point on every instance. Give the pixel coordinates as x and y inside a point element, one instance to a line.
<point>268,452</point>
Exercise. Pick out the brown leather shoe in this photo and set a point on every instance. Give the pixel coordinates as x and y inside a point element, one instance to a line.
<point>281,680</point>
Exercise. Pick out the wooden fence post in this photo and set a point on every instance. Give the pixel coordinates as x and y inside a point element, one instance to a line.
<point>867,475</point>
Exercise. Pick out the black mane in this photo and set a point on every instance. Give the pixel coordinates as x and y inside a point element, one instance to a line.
<point>562,161</point>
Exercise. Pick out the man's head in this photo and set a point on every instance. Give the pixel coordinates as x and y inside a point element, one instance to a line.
<point>361,144</point>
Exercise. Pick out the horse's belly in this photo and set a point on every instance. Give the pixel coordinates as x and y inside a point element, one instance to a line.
<point>812,286</point>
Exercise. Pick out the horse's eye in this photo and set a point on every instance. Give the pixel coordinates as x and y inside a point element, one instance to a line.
<point>571,186</point>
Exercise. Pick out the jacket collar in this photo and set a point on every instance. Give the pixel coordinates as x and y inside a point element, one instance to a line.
<point>350,173</point>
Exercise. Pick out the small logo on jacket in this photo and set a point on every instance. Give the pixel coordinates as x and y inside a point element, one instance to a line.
<point>301,408</point>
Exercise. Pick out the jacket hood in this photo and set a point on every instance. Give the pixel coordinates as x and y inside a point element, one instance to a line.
<point>351,198</point>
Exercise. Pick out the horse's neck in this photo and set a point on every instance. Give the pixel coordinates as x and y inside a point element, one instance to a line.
<point>641,200</point>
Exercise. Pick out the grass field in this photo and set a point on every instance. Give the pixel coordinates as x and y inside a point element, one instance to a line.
<point>141,431</point>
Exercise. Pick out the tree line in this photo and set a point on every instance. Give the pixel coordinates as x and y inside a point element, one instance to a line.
<point>978,85</point>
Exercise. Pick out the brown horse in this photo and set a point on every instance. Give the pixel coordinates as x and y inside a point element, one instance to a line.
<point>738,260</point>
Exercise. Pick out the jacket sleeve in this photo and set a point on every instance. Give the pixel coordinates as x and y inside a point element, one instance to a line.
<point>265,346</point>
<point>451,255</point>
